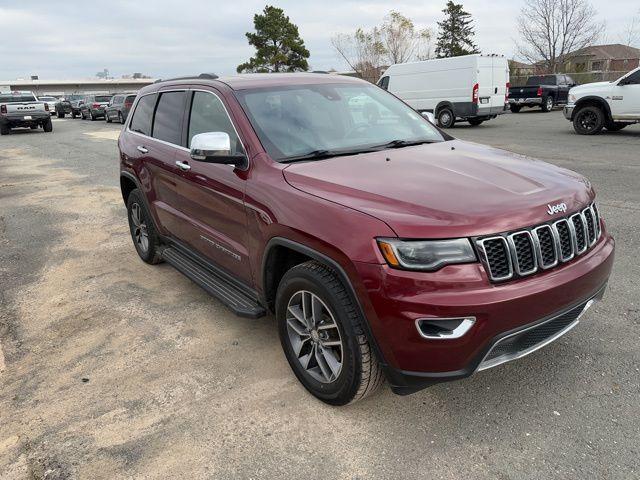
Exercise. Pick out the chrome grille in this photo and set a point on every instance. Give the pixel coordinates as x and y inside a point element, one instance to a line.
<point>525,252</point>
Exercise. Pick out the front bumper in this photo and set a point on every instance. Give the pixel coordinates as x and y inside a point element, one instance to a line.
<point>567,111</point>
<point>398,298</point>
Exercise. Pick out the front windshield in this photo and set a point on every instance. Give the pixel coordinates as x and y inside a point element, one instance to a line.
<point>298,120</point>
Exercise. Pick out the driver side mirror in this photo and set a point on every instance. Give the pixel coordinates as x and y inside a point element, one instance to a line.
<point>429,116</point>
<point>215,147</point>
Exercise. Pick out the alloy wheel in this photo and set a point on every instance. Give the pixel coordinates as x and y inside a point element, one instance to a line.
<point>140,232</point>
<point>588,120</point>
<point>314,336</point>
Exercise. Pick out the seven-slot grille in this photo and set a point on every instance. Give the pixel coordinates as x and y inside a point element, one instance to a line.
<point>527,251</point>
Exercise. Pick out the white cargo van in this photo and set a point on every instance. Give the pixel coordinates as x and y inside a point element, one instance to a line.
<point>471,88</point>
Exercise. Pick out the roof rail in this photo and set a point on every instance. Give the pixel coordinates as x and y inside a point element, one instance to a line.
<point>204,76</point>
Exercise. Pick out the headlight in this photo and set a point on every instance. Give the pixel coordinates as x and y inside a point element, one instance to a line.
<point>425,254</point>
<point>572,98</point>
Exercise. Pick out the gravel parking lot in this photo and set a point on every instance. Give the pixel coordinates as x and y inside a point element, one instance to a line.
<point>112,368</point>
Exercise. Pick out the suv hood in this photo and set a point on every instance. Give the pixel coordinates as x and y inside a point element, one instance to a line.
<point>446,189</point>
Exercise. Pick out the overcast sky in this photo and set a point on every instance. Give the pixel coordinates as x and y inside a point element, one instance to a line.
<point>62,39</point>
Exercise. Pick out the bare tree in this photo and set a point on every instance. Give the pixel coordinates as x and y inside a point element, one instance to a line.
<point>550,29</point>
<point>402,41</point>
<point>397,40</point>
<point>363,51</point>
<point>631,33</point>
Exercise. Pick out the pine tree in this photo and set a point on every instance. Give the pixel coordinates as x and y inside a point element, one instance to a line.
<point>279,47</point>
<point>455,32</point>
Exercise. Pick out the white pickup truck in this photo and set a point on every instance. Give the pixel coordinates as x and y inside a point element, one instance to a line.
<point>611,105</point>
<point>22,109</point>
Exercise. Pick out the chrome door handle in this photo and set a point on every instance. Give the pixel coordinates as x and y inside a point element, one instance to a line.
<point>183,166</point>
<point>142,149</point>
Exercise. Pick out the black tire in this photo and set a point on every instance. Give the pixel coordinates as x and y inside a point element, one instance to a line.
<point>74,115</point>
<point>515,108</point>
<point>91,116</point>
<point>446,118</point>
<point>615,126</point>
<point>120,119</point>
<point>588,120</point>
<point>475,121</point>
<point>106,118</point>
<point>151,253</point>
<point>547,103</point>
<point>5,130</point>
<point>47,125</point>
<point>82,115</point>
<point>60,114</point>
<point>360,373</point>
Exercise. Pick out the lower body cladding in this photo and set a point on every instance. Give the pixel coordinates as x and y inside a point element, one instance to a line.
<point>446,325</point>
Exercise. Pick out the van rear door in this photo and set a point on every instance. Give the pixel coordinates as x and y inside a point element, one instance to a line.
<point>485,81</point>
<point>500,78</point>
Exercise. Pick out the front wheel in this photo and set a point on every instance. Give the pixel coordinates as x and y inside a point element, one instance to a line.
<point>322,334</point>
<point>588,120</point>
<point>446,118</point>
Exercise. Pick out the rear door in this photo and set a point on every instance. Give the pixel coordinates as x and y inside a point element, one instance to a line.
<point>500,79</point>
<point>563,89</point>
<point>625,98</point>
<point>154,158</point>
<point>485,82</point>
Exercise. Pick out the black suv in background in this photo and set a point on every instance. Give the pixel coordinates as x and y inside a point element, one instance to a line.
<point>118,108</point>
<point>93,106</point>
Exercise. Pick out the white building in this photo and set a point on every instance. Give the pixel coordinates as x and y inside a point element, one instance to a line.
<point>84,86</point>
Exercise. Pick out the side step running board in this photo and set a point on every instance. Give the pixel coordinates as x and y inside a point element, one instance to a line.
<point>232,296</point>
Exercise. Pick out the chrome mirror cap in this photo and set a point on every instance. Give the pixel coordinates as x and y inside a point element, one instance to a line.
<point>210,144</point>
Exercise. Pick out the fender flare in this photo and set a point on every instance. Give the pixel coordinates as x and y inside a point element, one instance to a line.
<point>322,258</point>
<point>442,105</point>
<point>593,99</point>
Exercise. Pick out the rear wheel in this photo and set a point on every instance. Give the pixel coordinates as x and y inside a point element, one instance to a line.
<point>143,231</point>
<point>47,125</point>
<point>446,118</point>
<point>475,121</point>
<point>514,108</point>
<point>547,103</point>
<point>5,130</point>
<point>588,120</point>
<point>321,331</point>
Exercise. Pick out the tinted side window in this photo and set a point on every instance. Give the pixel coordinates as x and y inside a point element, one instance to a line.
<point>141,121</point>
<point>633,79</point>
<point>384,83</point>
<point>208,115</point>
<point>167,124</point>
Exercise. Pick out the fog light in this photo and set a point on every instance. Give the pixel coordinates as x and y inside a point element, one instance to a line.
<point>444,328</point>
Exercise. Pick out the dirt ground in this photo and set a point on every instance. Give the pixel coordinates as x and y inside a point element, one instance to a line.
<point>111,368</point>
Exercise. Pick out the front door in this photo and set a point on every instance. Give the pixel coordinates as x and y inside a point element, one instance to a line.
<point>213,194</point>
<point>625,98</point>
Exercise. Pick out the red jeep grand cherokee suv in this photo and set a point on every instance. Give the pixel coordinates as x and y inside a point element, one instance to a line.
<point>385,247</point>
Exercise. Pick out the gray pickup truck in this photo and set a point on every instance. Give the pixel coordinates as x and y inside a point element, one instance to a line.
<point>22,109</point>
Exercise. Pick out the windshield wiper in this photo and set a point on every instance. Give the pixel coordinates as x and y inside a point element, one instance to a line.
<point>319,154</point>
<point>402,143</point>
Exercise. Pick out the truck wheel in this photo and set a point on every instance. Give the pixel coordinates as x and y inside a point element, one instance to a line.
<point>5,130</point>
<point>143,231</point>
<point>588,120</point>
<point>615,126</point>
<point>321,331</point>
<point>547,103</point>
<point>475,121</point>
<point>47,125</point>
<point>446,118</point>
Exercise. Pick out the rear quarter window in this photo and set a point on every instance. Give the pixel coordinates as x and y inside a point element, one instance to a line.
<point>167,124</point>
<point>143,115</point>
